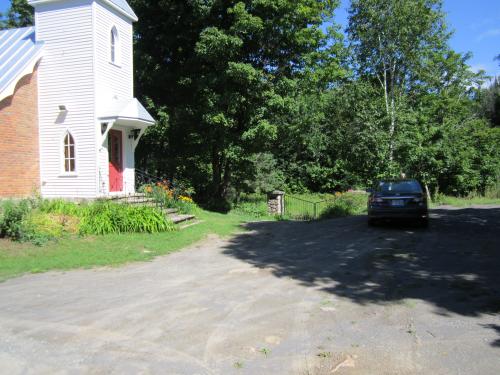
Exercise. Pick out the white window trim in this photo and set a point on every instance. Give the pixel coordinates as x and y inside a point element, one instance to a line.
<point>62,146</point>
<point>117,47</point>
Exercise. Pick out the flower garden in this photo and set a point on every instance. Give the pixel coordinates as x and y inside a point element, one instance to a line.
<point>169,194</point>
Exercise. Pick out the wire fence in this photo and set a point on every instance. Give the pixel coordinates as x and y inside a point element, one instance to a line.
<point>302,209</point>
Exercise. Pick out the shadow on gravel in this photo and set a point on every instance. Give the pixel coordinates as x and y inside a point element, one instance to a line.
<point>454,264</point>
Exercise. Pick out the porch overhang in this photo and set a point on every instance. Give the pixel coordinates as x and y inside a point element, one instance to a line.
<point>130,114</point>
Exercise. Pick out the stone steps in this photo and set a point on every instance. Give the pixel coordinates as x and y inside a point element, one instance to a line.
<point>177,219</point>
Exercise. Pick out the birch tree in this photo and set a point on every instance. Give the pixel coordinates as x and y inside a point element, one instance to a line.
<point>391,42</point>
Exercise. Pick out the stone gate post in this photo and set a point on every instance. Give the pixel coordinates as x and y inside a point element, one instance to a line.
<point>276,202</point>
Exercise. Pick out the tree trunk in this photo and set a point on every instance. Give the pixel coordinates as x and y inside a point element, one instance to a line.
<point>392,130</point>
<point>428,193</point>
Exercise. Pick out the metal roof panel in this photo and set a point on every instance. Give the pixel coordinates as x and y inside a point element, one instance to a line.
<point>18,49</point>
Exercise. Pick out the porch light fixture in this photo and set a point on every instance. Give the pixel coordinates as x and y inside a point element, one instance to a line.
<point>134,133</point>
<point>62,108</point>
<point>104,127</point>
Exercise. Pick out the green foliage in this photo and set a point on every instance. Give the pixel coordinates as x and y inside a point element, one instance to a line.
<point>41,220</point>
<point>168,196</point>
<point>265,175</point>
<point>253,96</point>
<point>60,206</point>
<point>20,14</point>
<point>490,102</point>
<point>253,205</point>
<point>47,226</point>
<point>345,205</point>
<point>472,199</point>
<point>13,220</point>
<point>217,69</point>
<point>105,218</point>
<point>323,206</point>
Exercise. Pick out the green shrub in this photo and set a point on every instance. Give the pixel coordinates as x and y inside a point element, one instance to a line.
<point>105,218</point>
<point>13,219</point>
<point>345,205</point>
<point>338,208</point>
<point>52,225</point>
<point>254,205</point>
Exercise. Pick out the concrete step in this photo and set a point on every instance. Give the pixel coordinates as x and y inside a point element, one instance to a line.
<point>169,211</point>
<point>177,219</point>
<point>132,199</point>
<point>190,223</point>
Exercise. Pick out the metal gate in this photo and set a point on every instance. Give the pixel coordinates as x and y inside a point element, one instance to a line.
<point>302,209</point>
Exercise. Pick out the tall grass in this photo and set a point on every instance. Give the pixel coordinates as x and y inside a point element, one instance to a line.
<point>493,192</point>
<point>60,206</point>
<point>253,205</point>
<point>41,220</point>
<point>105,218</point>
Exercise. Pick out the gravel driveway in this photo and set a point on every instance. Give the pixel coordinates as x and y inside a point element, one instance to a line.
<point>330,297</point>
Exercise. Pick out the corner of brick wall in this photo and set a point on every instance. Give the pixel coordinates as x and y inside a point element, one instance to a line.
<point>19,146</point>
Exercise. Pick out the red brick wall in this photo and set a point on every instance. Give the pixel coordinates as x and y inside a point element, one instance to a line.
<point>19,155</point>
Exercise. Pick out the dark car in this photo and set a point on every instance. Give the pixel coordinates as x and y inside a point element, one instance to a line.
<point>398,199</point>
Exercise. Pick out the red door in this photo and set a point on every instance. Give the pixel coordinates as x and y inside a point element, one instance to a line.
<point>115,160</point>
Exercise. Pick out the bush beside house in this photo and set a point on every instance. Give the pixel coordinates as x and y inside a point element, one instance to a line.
<point>39,220</point>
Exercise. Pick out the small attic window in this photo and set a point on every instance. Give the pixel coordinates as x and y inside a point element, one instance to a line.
<point>115,46</point>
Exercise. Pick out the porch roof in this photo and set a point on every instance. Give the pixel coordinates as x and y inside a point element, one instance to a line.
<point>127,112</point>
<point>19,53</point>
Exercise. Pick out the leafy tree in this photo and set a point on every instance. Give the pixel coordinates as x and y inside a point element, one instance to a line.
<point>490,102</point>
<point>20,14</point>
<point>219,67</point>
<point>391,44</point>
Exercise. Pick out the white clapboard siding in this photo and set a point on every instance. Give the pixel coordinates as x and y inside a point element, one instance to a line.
<point>113,81</point>
<point>76,71</point>
<point>66,77</point>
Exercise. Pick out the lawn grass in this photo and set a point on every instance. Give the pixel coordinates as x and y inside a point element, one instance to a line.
<point>109,250</point>
<point>465,202</point>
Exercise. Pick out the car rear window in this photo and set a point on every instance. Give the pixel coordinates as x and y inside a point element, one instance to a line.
<point>400,187</point>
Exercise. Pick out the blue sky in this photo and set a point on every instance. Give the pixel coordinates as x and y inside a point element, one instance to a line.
<point>476,24</point>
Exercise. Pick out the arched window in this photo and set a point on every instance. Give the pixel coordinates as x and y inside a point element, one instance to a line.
<point>69,154</point>
<point>115,46</point>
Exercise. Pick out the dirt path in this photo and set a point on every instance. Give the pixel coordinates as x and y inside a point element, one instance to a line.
<point>332,297</point>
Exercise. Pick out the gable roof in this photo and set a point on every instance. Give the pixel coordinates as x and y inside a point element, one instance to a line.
<point>19,53</point>
<point>120,5</point>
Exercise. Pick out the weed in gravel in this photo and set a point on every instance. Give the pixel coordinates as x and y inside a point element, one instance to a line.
<point>265,351</point>
<point>324,355</point>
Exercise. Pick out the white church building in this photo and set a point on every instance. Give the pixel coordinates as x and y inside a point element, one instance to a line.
<point>69,121</point>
